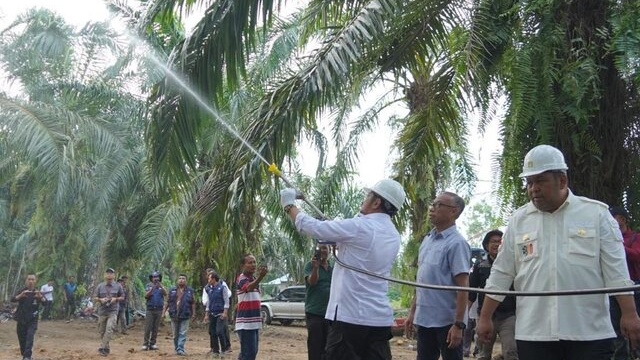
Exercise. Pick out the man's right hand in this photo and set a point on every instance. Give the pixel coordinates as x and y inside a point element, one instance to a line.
<point>484,330</point>
<point>288,197</point>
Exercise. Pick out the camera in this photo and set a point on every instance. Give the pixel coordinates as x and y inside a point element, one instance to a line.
<point>318,255</point>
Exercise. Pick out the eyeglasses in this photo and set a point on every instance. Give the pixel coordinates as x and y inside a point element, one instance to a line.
<point>437,204</point>
<point>496,241</point>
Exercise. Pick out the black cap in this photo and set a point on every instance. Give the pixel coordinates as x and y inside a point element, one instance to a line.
<point>619,210</point>
<point>110,270</point>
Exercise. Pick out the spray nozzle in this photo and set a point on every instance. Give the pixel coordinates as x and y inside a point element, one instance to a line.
<point>274,169</point>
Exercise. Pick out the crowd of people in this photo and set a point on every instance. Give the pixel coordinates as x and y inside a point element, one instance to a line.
<point>557,241</point>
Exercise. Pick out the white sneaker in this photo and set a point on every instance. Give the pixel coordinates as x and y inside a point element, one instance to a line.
<point>154,347</point>
<point>145,348</point>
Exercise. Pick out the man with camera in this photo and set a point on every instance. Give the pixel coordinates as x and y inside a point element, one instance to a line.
<point>29,300</point>
<point>107,295</point>
<point>155,294</point>
<point>317,275</point>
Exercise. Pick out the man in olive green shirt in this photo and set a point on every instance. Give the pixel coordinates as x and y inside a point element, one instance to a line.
<point>317,274</point>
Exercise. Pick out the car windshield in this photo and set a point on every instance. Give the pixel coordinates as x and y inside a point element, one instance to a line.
<point>292,294</point>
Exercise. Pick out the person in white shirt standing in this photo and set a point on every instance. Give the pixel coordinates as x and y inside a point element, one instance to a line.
<point>559,241</point>
<point>47,291</point>
<point>359,309</point>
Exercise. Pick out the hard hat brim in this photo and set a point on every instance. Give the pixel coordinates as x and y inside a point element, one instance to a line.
<point>525,174</point>
<point>531,173</point>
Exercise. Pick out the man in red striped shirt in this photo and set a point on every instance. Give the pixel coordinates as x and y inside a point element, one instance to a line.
<point>248,320</point>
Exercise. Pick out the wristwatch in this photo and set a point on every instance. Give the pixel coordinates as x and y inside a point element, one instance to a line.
<point>460,325</point>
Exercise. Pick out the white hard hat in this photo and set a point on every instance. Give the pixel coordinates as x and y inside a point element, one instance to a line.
<point>542,158</point>
<point>391,191</point>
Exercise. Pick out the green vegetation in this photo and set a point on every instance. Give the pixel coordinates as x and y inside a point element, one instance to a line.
<point>108,162</point>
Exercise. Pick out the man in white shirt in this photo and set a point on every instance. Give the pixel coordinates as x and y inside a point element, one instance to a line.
<point>559,241</point>
<point>47,291</point>
<point>359,310</point>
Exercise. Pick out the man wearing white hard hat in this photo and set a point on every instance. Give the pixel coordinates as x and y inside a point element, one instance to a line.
<point>560,241</point>
<point>359,310</point>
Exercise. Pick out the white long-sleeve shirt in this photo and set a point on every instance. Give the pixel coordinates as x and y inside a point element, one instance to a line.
<point>47,291</point>
<point>578,246</point>
<point>369,242</point>
<point>227,292</point>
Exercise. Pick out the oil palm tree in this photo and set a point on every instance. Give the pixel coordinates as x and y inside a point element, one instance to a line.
<point>74,167</point>
<point>567,71</point>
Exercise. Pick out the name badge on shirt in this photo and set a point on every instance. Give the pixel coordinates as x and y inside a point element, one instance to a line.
<point>528,248</point>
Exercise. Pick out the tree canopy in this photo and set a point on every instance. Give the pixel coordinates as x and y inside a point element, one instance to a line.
<point>107,159</point>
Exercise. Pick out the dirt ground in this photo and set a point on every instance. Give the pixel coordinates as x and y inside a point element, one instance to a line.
<point>79,340</point>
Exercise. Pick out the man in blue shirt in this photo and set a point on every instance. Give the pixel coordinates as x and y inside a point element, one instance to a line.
<point>443,260</point>
<point>70,288</point>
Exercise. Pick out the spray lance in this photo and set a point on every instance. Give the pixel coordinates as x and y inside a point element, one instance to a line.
<point>276,172</point>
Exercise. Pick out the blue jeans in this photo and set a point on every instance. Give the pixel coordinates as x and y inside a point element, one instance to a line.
<point>180,328</point>
<point>248,344</point>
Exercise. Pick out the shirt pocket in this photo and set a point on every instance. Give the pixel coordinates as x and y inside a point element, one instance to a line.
<point>527,247</point>
<point>582,245</point>
<point>435,256</point>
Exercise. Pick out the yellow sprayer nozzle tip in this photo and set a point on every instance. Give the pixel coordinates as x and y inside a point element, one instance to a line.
<point>274,169</point>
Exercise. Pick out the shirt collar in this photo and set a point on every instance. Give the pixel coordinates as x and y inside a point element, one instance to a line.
<point>444,234</point>
<point>376,215</point>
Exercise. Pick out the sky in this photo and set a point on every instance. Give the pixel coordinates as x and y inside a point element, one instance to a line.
<point>374,152</point>
<point>76,12</point>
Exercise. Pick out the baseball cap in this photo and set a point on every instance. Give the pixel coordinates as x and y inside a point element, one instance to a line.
<point>110,270</point>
